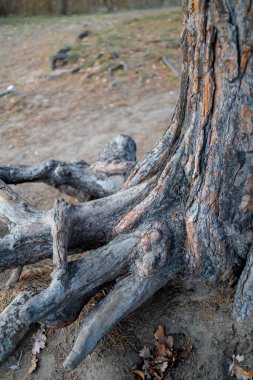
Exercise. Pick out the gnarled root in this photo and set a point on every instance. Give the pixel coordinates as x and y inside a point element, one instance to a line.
<point>12,327</point>
<point>243,303</point>
<point>30,240</point>
<point>14,277</point>
<point>79,179</point>
<point>140,262</point>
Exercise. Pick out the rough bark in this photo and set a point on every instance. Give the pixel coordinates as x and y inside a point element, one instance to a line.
<point>186,206</point>
<point>64,7</point>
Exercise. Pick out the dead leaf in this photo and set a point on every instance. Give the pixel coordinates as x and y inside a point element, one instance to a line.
<point>239,372</point>
<point>34,364</point>
<point>162,366</point>
<point>186,350</point>
<point>160,351</point>
<point>239,358</point>
<point>170,341</point>
<point>145,352</point>
<point>138,373</point>
<point>157,360</point>
<point>40,342</point>
<point>159,334</point>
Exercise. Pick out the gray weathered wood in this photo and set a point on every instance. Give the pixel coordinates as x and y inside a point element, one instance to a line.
<point>30,239</point>
<point>14,277</point>
<point>79,179</point>
<point>12,328</point>
<point>61,225</point>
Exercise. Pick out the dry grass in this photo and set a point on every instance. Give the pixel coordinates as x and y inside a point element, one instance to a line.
<point>35,279</point>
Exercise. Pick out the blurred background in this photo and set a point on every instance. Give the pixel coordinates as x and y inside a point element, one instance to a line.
<point>35,7</point>
<point>68,84</point>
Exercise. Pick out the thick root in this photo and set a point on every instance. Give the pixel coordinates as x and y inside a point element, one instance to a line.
<point>128,294</point>
<point>243,302</point>
<point>82,277</point>
<point>144,261</point>
<point>78,178</point>
<point>30,239</point>
<point>14,277</point>
<point>12,327</point>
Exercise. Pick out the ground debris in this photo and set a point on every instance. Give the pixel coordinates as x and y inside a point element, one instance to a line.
<point>237,371</point>
<point>40,341</point>
<point>33,366</point>
<point>39,344</point>
<point>84,34</point>
<point>163,356</point>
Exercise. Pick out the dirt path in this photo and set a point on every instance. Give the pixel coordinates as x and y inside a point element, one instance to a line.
<point>70,118</point>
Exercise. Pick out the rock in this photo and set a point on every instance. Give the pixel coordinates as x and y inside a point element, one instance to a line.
<point>114,55</point>
<point>117,66</point>
<point>117,82</point>
<point>62,56</point>
<point>84,34</point>
<point>58,73</point>
<point>76,69</point>
<point>63,72</point>
<point>100,55</point>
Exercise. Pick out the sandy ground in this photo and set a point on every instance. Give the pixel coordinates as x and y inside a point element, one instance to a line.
<point>70,118</point>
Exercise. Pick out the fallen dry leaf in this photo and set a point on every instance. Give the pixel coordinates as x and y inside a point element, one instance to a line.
<point>34,364</point>
<point>162,366</point>
<point>145,352</point>
<point>239,358</point>
<point>184,354</point>
<point>138,373</point>
<point>159,334</point>
<point>239,372</point>
<point>170,341</point>
<point>40,342</point>
<point>157,360</point>
<point>160,351</point>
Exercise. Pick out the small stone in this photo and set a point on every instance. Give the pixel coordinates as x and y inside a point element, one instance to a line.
<point>58,73</point>
<point>117,82</point>
<point>84,34</point>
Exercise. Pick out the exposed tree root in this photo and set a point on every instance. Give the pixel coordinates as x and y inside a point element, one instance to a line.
<point>143,259</point>
<point>78,178</point>
<point>12,328</point>
<point>14,277</point>
<point>30,240</point>
<point>243,304</point>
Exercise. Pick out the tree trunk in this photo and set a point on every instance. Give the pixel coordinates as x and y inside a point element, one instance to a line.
<point>109,5</point>
<point>64,7</point>
<point>186,207</point>
<point>4,9</point>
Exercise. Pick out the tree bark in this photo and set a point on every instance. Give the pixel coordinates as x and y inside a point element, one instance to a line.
<point>186,206</point>
<point>64,7</point>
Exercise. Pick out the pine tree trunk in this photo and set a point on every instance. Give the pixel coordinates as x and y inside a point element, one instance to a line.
<point>64,7</point>
<point>186,207</point>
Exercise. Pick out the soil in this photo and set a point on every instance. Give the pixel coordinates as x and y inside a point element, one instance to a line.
<point>71,117</point>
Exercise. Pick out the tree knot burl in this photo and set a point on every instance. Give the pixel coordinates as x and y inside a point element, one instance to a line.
<point>154,246</point>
